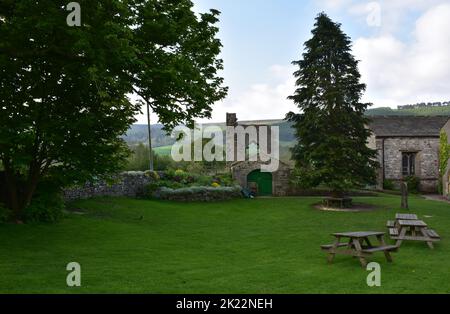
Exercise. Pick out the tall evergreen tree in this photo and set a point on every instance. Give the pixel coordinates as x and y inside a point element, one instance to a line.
<point>331,127</point>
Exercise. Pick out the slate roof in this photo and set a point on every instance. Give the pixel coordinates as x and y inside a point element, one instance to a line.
<point>407,126</point>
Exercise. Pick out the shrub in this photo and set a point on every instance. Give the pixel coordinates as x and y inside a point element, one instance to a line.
<point>413,184</point>
<point>388,185</point>
<point>153,175</point>
<point>178,179</point>
<point>151,188</point>
<point>45,208</point>
<point>199,193</point>
<point>47,204</point>
<point>5,213</point>
<point>179,173</point>
<point>224,179</point>
<point>203,181</point>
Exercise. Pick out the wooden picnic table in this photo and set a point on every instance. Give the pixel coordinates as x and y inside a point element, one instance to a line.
<point>413,230</point>
<point>358,245</point>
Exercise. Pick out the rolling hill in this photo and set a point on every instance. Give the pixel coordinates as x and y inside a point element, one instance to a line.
<point>163,142</point>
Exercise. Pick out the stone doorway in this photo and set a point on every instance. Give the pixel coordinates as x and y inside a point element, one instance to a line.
<point>262,181</point>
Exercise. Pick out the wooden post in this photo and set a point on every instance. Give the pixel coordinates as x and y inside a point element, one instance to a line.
<point>404,189</point>
<point>151,168</point>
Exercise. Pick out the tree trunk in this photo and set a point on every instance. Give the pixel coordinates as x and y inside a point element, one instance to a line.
<point>12,197</point>
<point>19,195</point>
<point>29,190</point>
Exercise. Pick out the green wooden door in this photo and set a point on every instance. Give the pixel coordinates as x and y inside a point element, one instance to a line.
<point>263,180</point>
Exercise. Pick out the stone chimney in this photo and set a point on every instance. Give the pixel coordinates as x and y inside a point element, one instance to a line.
<point>231,119</point>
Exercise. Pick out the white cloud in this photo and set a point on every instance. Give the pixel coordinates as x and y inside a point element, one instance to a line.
<point>262,100</point>
<point>398,73</point>
<point>394,14</point>
<point>334,4</point>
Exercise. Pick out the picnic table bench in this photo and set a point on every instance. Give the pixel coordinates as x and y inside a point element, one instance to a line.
<point>408,227</point>
<point>358,245</point>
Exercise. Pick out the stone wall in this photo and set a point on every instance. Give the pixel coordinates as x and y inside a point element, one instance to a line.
<point>130,184</point>
<point>427,160</point>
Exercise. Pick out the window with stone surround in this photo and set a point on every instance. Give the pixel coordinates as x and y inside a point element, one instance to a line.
<point>409,164</point>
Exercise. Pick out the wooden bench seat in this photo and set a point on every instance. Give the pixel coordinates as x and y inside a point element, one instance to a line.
<point>433,234</point>
<point>381,248</point>
<point>390,224</point>
<point>393,232</point>
<point>330,246</point>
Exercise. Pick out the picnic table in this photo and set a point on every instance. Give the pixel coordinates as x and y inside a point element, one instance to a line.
<point>358,244</point>
<point>413,230</point>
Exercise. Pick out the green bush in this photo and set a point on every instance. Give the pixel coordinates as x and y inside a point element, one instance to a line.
<point>413,184</point>
<point>152,188</point>
<point>180,179</point>
<point>5,213</point>
<point>199,193</point>
<point>440,186</point>
<point>203,181</point>
<point>47,204</point>
<point>388,185</point>
<point>152,174</point>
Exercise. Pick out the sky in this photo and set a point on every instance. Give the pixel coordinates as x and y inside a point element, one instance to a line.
<point>403,47</point>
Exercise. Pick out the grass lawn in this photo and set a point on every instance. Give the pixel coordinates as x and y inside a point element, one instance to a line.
<point>163,150</point>
<point>242,246</point>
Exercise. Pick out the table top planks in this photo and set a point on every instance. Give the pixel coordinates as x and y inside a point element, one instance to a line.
<point>412,223</point>
<point>406,217</point>
<point>359,234</point>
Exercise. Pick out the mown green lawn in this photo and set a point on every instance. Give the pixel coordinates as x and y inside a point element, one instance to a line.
<point>163,150</point>
<point>242,246</point>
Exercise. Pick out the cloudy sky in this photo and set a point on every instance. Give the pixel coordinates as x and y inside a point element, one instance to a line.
<point>403,46</point>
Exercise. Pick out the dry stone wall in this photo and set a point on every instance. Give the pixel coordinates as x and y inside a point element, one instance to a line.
<point>130,184</point>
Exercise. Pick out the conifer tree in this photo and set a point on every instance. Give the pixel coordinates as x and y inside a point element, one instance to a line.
<point>331,127</point>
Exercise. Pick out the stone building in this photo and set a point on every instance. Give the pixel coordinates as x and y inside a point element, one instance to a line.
<point>248,173</point>
<point>408,146</point>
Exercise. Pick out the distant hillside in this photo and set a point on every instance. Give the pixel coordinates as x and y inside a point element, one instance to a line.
<point>162,142</point>
<point>139,133</point>
<point>413,111</point>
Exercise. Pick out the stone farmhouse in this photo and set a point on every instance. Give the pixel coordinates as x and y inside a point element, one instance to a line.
<point>406,145</point>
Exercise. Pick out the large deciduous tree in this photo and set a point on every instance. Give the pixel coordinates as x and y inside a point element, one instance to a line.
<point>176,73</point>
<point>331,127</point>
<point>63,90</point>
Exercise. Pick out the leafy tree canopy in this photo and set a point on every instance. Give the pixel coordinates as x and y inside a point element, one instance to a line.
<point>63,90</point>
